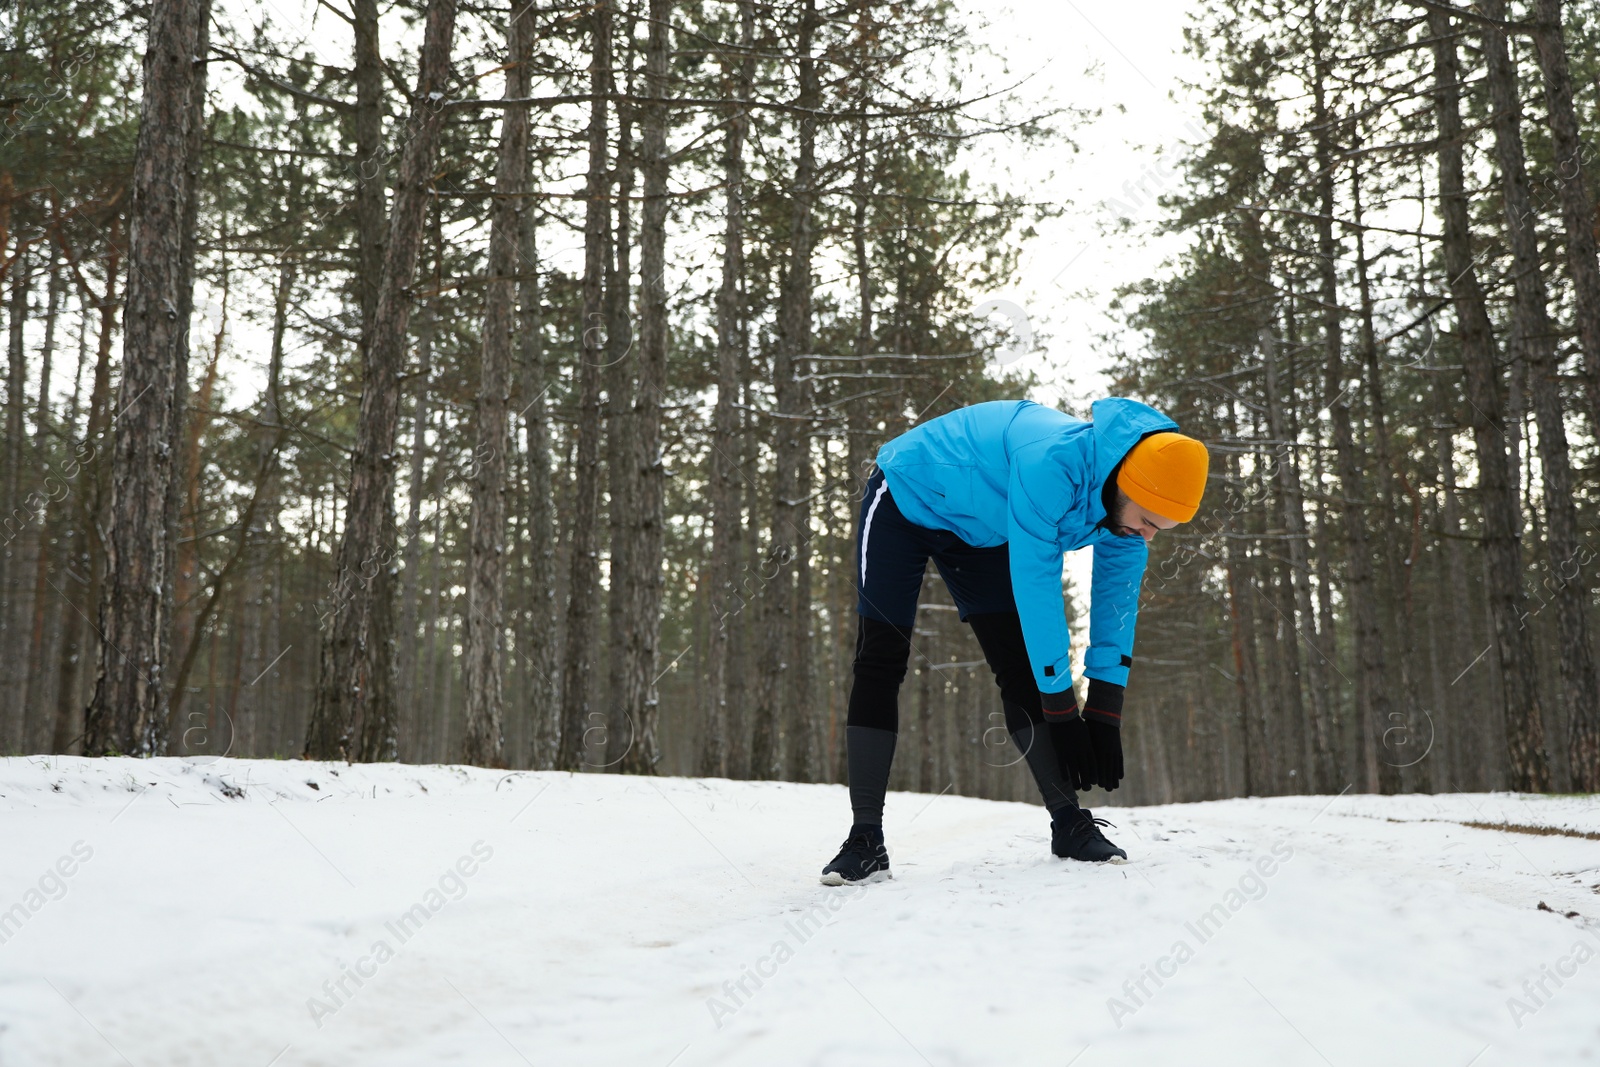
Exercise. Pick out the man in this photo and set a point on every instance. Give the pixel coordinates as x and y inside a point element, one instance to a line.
<point>995,493</point>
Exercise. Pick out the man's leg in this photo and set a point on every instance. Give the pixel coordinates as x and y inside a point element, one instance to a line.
<point>891,557</point>
<point>1000,636</point>
<point>872,725</point>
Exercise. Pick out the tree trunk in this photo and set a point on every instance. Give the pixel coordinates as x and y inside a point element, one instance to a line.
<point>47,350</point>
<point>370,171</point>
<point>784,659</point>
<point>84,550</point>
<point>1372,697</point>
<point>1241,623</point>
<point>186,576</point>
<point>483,741</point>
<point>12,664</point>
<point>621,729</point>
<point>1280,712</point>
<point>127,713</point>
<point>353,716</point>
<point>1293,508</point>
<point>1326,629</point>
<point>253,733</point>
<point>646,520</point>
<point>1312,748</point>
<point>1577,206</point>
<point>1536,336</point>
<point>432,728</point>
<point>859,464</point>
<point>1399,729</point>
<point>584,583</point>
<point>726,501</point>
<point>34,670</point>
<point>1524,718</point>
<point>542,649</point>
<point>1463,721</point>
<point>415,699</point>
<point>13,642</point>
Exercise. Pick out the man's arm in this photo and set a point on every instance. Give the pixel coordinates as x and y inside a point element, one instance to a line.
<point>1035,558</point>
<point>1113,613</point>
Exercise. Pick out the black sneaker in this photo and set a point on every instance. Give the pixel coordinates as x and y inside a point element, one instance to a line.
<point>862,858</point>
<point>1077,836</point>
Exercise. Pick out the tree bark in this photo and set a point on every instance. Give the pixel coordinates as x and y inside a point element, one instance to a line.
<point>646,522</point>
<point>84,550</point>
<point>543,646</point>
<point>859,435</point>
<point>1313,748</point>
<point>127,713</point>
<point>1524,716</point>
<point>1372,696</point>
<point>47,350</point>
<point>353,716</point>
<point>253,729</point>
<point>621,730</point>
<point>1537,340</point>
<point>416,698</point>
<point>13,643</point>
<point>483,742</point>
<point>1400,727</point>
<point>34,671</point>
<point>1292,506</point>
<point>1241,623</point>
<point>1577,206</point>
<point>371,198</point>
<point>784,659</point>
<point>186,576</point>
<point>584,583</point>
<point>726,498</point>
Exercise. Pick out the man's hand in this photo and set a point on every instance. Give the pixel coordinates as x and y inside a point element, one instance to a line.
<point>1075,752</point>
<point>1069,738</point>
<point>1103,731</point>
<point>1106,744</point>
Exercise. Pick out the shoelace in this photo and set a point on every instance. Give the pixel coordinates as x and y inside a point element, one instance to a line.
<point>860,843</point>
<point>1092,826</point>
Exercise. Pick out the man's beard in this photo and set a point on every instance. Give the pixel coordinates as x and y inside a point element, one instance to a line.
<point>1115,520</point>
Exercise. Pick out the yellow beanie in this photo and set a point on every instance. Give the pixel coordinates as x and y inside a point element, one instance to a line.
<point>1166,473</point>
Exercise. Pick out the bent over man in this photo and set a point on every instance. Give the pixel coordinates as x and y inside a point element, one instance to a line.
<point>995,493</point>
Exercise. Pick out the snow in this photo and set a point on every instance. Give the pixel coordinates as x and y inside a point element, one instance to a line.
<point>255,912</point>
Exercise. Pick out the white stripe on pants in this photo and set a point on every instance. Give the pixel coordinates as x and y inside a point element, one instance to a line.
<point>866,528</point>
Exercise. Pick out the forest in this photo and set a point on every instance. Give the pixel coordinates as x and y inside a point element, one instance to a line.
<point>495,384</point>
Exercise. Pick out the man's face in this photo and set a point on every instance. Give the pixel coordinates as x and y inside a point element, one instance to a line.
<point>1131,520</point>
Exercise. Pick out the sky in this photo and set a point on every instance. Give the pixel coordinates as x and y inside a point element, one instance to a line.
<point>1126,62</point>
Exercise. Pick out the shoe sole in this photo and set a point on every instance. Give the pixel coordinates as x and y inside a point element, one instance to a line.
<point>835,878</point>
<point>1119,860</point>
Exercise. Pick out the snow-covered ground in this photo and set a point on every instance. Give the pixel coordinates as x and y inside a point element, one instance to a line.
<point>250,912</point>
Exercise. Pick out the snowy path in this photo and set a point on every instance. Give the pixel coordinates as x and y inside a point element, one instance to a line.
<point>429,915</point>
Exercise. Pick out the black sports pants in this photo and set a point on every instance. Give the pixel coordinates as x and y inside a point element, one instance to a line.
<point>892,556</point>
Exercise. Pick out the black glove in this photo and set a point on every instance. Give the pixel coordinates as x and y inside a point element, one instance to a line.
<point>1069,738</point>
<point>1103,729</point>
<point>1074,751</point>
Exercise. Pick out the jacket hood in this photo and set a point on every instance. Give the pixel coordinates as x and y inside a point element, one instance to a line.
<point>1118,425</point>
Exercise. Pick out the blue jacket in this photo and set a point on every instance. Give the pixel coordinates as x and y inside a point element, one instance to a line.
<point>1012,471</point>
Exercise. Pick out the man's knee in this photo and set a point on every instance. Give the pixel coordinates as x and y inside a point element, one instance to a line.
<point>883,651</point>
